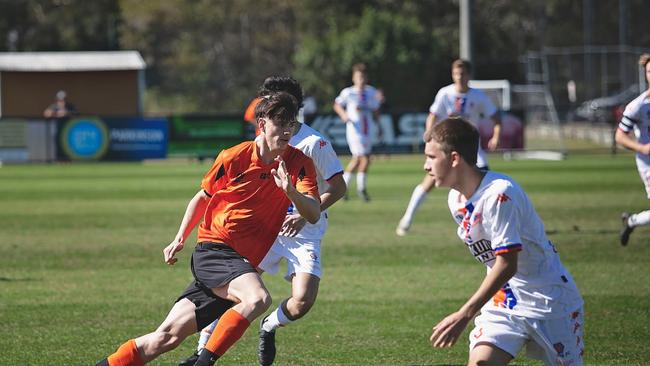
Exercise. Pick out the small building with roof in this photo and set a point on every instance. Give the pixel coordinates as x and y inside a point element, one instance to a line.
<point>104,83</point>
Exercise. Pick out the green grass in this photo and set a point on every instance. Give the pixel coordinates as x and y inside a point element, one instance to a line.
<point>82,270</point>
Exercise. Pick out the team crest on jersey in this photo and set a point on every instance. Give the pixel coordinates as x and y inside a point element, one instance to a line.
<point>559,348</point>
<point>322,143</point>
<point>302,174</point>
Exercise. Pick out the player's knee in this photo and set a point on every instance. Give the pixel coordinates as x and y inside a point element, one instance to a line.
<point>258,301</point>
<point>165,341</point>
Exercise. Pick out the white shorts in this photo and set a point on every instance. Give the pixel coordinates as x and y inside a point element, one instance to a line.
<point>557,341</point>
<point>644,173</point>
<point>358,143</point>
<point>302,255</point>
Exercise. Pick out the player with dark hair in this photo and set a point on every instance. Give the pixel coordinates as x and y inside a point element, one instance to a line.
<point>636,117</point>
<point>274,84</point>
<point>241,208</point>
<point>299,242</point>
<point>454,100</point>
<point>527,297</point>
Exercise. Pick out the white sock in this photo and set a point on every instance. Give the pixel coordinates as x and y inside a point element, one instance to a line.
<point>205,335</point>
<point>361,182</point>
<point>417,197</point>
<point>276,319</point>
<point>347,177</point>
<point>641,218</point>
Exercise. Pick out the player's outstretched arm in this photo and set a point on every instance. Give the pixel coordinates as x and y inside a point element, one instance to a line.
<point>193,214</point>
<point>446,332</point>
<point>307,206</point>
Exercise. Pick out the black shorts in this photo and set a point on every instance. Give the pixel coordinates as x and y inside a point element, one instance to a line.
<point>213,265</point>
<point>208,305</point>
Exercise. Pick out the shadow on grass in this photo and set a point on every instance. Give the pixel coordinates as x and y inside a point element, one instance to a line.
<point>577,230</point>
<point>26,279</point>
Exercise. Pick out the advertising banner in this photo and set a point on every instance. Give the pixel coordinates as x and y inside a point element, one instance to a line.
<point>13,140</point>
<point>94,138</point>
<point>402,132</point>
<point>204,135</point>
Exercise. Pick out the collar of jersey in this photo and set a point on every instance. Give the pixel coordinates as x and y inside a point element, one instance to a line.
<point>256,159</point>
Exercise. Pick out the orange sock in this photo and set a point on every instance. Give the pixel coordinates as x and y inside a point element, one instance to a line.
<point>229,329</point>
<point>126,355</point>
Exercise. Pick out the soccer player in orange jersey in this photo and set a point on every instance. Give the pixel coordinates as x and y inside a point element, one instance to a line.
<point>241,205</point>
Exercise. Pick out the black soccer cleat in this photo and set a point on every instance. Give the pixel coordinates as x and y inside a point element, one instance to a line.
<point>190,361</point>
<point>364,196</point>
<point>206,358</point>
<point>266,348</point>
<point>627,229</point>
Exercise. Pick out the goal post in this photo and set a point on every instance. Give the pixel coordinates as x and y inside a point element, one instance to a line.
<point>533,104</point>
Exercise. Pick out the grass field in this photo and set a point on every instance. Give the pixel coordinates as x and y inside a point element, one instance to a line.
<point>81,266</point>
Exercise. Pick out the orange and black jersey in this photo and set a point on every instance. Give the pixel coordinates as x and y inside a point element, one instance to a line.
<point>246,208</point>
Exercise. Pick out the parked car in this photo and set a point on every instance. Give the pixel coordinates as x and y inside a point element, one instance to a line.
<point>604,109</point>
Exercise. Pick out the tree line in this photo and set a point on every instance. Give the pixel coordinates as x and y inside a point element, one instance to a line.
<point>209,56</point>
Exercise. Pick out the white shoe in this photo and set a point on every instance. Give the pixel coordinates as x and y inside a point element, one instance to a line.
<point>401,229</point>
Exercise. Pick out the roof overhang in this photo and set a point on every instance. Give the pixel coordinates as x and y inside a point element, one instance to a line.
<point>71,61</point>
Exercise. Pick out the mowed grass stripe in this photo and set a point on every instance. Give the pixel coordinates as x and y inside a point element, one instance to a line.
<point>82,266</point>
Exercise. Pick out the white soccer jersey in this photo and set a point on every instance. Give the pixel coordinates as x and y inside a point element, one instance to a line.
<point>473,106</point>
<point>327,164</point>
<point>359,106</point>
<point>637,117</point>
<point>500,218</point>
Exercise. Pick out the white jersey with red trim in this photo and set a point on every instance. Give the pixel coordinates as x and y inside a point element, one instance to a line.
<point>500,218</point>
<point>313,144</point>
<point>637,117</point>
<point>359,106</point>
<point>473,106</point>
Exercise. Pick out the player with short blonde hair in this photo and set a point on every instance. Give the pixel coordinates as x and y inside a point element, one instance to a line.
<point>527,297</point>
<point>636,117</point>
<point>454,100</point>
<point>358,108</point>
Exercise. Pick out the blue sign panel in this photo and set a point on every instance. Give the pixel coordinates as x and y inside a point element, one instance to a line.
<point>92,138</point>
<point>137,138</point>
